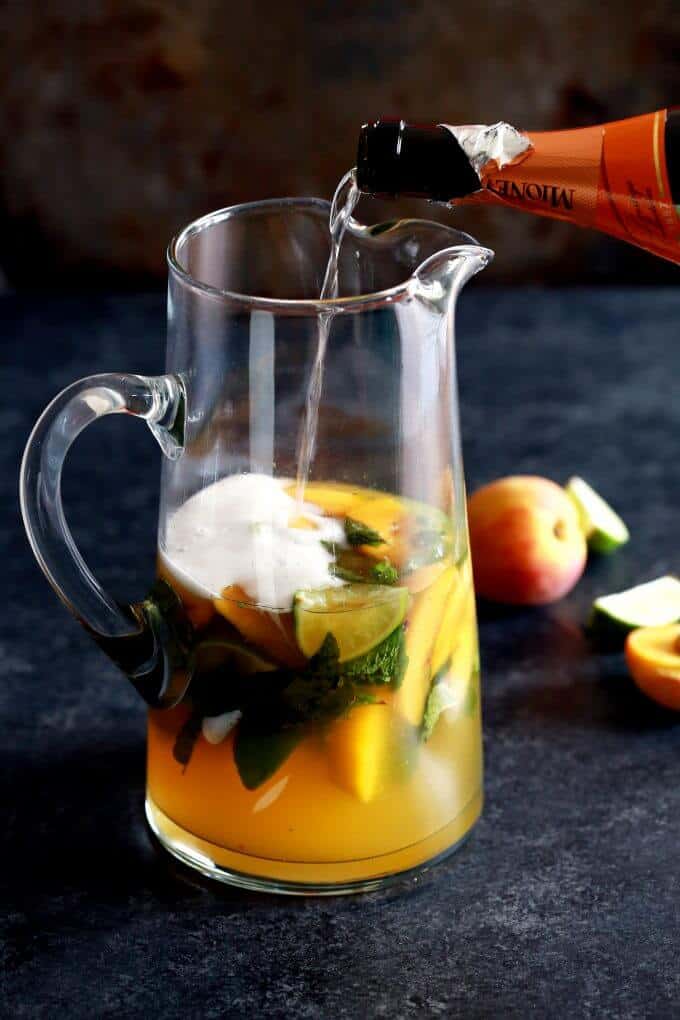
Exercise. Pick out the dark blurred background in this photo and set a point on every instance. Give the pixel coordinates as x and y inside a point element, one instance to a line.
<point>124,119</point>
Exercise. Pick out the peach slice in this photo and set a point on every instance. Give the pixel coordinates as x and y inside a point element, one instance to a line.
<point>653,657</point>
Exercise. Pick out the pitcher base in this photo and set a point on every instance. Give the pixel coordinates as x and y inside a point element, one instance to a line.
<point>311,878</point>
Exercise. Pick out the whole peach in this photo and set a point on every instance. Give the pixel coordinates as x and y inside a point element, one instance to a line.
<point>526,540</point>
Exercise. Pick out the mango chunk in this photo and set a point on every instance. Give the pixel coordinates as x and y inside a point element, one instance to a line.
<point>389,517</point>
<point>272,633</point>
<point>335,498</point>
<point>358,750</point>
<point>456,641</point>
<point>424,625</point>
<point>465,652</point>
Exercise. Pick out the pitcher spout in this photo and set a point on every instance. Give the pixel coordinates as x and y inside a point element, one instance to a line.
<point>441,276</point>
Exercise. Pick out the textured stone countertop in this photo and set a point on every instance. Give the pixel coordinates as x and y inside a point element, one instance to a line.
<point>566,901</point>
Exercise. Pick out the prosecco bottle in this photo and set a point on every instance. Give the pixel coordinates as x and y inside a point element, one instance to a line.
<point>622,178</point>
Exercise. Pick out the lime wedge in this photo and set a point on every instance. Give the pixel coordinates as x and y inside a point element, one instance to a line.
<point>216,654</point>
<point>602,526</point>
<point>654,604</point>
<point>359,616</point>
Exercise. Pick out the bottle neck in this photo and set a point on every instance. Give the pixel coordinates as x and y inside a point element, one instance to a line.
<point>622,178</point>
<point>425,160</point>
<point>396,158</point>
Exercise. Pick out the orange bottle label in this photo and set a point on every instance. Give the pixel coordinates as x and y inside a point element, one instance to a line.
<point>634,196</point>
<point>611,177</point>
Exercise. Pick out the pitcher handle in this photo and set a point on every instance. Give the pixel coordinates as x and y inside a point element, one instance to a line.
<point>147,639</point>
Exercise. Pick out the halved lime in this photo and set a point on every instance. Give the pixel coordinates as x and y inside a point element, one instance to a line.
<point>359,616</point>
<point>654,604</point>
<point>602,526</point>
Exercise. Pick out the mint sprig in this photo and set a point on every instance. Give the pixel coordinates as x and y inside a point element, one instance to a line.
<point>358,533</point>
<point>384,573</point>
<point>382,665</point>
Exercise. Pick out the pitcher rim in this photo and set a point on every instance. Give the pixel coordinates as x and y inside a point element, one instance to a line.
<point>303,305</point>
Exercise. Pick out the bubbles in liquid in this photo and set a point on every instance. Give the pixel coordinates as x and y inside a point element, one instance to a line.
<point>345,199</point>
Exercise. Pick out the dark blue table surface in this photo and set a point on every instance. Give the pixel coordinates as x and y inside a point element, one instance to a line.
<point>566,901</point>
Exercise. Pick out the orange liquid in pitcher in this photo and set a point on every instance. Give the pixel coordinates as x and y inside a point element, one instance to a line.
<point>338,741</point>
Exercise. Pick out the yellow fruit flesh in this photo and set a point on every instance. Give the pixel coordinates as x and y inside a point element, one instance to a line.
<point>336,499</point>
<point>657,647</point>
<point>448,633</point>
<point>272,633</point>
<point>358,750</point>
<point>424,627</point>
<point>387,515</point>
<point>653,657</point>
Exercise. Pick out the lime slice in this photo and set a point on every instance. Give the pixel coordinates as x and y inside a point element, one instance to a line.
<point>654,604</point>
<point>359,616</point>
<point>602,526</point>
<point>229,655</point>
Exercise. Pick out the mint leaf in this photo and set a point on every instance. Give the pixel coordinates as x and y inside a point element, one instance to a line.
<point>277,716</point>
<point>325,660</point>
<point>259,754</point>
<point>384,573</point>
<point>440,698</point>
<point>315,699</point>
<point>357,533</point>
<point>368,699</point>
<point>351,576</point>
<point>384,664</point>
<point>186,738</point>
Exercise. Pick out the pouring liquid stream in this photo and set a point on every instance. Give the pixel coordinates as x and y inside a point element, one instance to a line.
<point>345,199</point>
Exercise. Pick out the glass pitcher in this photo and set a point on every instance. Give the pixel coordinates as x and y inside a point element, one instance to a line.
<point>308,652</point>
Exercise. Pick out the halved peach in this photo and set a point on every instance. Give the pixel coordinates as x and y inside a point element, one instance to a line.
<point>653,657</point>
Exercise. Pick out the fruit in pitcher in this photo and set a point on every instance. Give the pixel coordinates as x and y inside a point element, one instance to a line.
<point>358,749</point>
<point>653,657</point>
<point>451,625</point>
<point>413,537</point>
<point>335,498</point>
<point>333,697</point>
<point>526,540</point>
<point>270,632</point>
<point>359,616</point>
<point>424,627</point>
